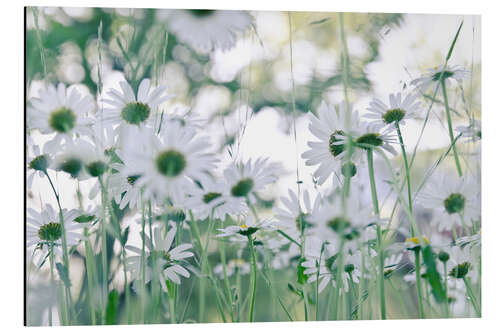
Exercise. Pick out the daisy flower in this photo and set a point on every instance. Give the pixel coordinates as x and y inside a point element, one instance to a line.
<point>293,213</point>
<point>330,127</point>
<point>370,135</point>
<point>166,165</point>
<point>398,110</point>
<point>454,200</point>
<point>213,196</point>
<point>161,259</point>
<point>455,73</point>
<point>74,159</point>
<point>471,132</point>
<point>125,109</point>
<point>123,188</point>
<point>60,111</point>
<point>206,30</point>
<point>463,264</point>
<point>391,263</point>
<point>44,229</point>
<point>242,231</point>
<point>37,165</point>
<point>249,177</point>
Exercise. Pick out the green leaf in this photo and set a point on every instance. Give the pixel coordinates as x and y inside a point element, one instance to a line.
<point>112,308</point>
<point>432,275</point>
<point>63,274</point>
<point>294,290</point>
<point>84,218</point>
<point>454,41</point>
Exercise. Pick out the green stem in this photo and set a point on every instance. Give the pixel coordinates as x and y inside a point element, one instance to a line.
<point>90,276</point>
<point>104,251</point>
<point>477,309</point>
<point>52,280</point>
<point>446,307</point>
<point>143,262</point>
<point>254,277</point>
<point>419,283</point>
<point>373,187</point>
<point>407,173</point>
<point>450,127</point>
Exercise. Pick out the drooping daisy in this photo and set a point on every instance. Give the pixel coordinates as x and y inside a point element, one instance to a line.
<point>398,110</point>
<point>433,75</point>
<point>295,213</point>
<point>165,165</point>
<point>455,201</point>
<point>330,127</point>
<point>125,109</point>
<point>44,229</point>
<point>37,164</point>
<point>60,111</point>
<point>250,177</point>
<point>123,188</point>
<point>463,264</point>
<point>161,259</point>
<point>213,196</point>
<point>206,30</point>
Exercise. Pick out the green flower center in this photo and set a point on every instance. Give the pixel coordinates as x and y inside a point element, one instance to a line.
<point>446,74</point>
<point>170,163</point>
<point>97,168</point>
<point>62,120</point>
<point>443,256</point>
<point>132,179</point>
<point>50,232</point>
<point>339,223</point>
<point>348,169</point>
<point>372,139</point>
<point>478,134</point>
<point>455,203</point>
<point>73,166</point>
<point>242,188</point>
<point>247,231</point>
<point>135,113</point>
<point>461,270</point>
<point>158,255</point>
<point>393,115</point>
<point>336,149</point>
<point>39,163</point>
<point>201,12</point>
<point>349,268</point>
<point>176,215</point>
<point>207,198</point>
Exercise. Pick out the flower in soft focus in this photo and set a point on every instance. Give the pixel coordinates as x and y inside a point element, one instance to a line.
<point>391,263</point>
<point>127,109</point>
<point>294,214</point>
<point>331,128</point>
<point>433,75</point>
<point>165,165</point>
<point>60,111</point>
<point>463,263</point>
<point>44,229</point>
<point>454,200</point>
<point>205,30</point>
<point>213,196</point>
<point>249,227</point>
<point>250,177</point>
<point>399,110</point>
<point>73,159</point>
<point>472,132</point>
<point>163,262</point>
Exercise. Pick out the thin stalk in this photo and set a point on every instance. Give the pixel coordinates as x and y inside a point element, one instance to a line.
<point>143,262</point>
<point>52,280</point>
<point>90,276</point>
<point>446,307</point>
<point>104,251</point>
<point>477,309</point>
<point>419,283</point>
<point>254,277</point>
<point>407,173</point>
<point>450,127</point>
<point>373,188</point>
<point>222,251</point>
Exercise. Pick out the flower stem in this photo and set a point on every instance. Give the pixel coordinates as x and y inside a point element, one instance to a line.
<point>373,187</point>
<point>418,276</point>
<point>450,127</point>
<point>407,173</point>
<point>52,280</point>
<point>472,297</point>
<point>104,250</point>
<point>446,307</point>
<point>254,276</point>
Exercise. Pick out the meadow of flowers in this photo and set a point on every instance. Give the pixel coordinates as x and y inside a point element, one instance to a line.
<point>150,198</point>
